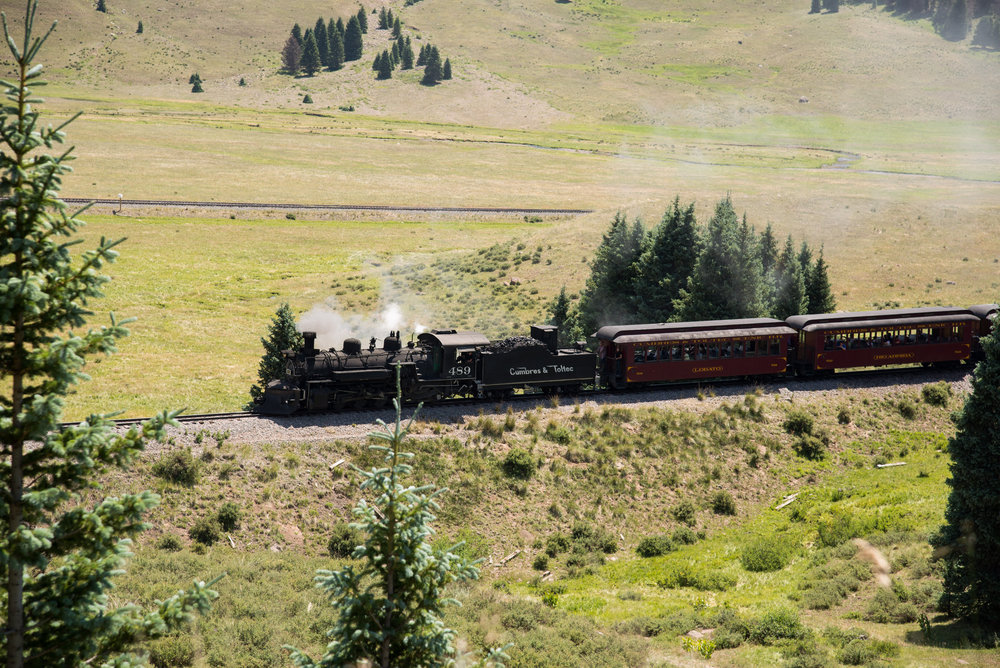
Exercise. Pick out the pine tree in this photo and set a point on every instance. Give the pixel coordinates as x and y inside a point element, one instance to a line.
<point>559,310</point>
<point>310,55</point>
<point>383,19</point>
<point>59,549</point>
<point>281,335</point>
<point>390,598</point>
<point>297,33</point>
<point>194,78</point>
<point>768,250</point>
<point>446,70</point>
<point>363,20</point>
<point>969,542</point>
<point>394,54</point>
<point>818,291</point>
<point>336,50</point>
<point>291,55</point>
<point>352,40</point>
<point>606,296</point>
<point>138,30</point>
<point>727,281</point>
<point>406,56</point>
<point>322,42</point>
<point>432,71</point>
<point>384,66</point>
<point>815,8</point>
<point>197,88</point>
<point>340,28</point>
<point>666,263</point>
<point>790,289</point>
<point>805,258</point>
<point>397,29</point>
<point>102,7</point>
<point>422,56</point>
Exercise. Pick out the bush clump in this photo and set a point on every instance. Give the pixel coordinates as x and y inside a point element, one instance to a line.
<point>684,512</point>
<point>892,606</point>
<point>777,625</point>
<point>519,464</point>
<point>205,530</point>
<point>684,536</point>
<point>169,543</point>
<point>937,394</point>
<point>179,467</point>
<point>798,422</point>
<point>811,446</point>
<point>654,546</point>
<point>593,539</point>
<point>343,540</point>
<point>723,503</point>
<point>765,554</point>
<point>171,652</point>
<point>229,516</point>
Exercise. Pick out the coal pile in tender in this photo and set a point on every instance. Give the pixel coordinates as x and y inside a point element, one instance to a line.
<point>512,343</point>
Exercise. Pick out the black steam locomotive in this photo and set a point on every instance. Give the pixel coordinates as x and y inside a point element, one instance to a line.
<point>440,364</point>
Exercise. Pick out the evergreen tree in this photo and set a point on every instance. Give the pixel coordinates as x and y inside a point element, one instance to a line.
<point>310,55</point>
<point>197,88</point>
<point>363,20</point>
<point>281,335</point>
<point>606,296</point>
<point>666,263</point>
<point>422,56</point>
<point>336,50</point>
<point>988,32</point>
<point>297,34</point>
<point>322,42</point>
<point>352,40</point>
<point>768,250</point>
<point>790,289</point>
<point>818,291</point>
<point>432,71</point>
<point>60,548</point>
<point>139,29</point>
<point>194,78</point>
<point>727,281</point>
<point>102,7</point>
<point>815,9</point>
<point>383,19</point>
<point>394,54</point>
<point>389,19</point>
<point>446,70</point>
<point>341,29</point>
<point>390,598</point>
<point>397,29</point>
<point>969,542</point>
<point>384,66</point>
<point>559,310</point>
<point>291,55</point>
<point>406,55</point>
<point>805,258</point>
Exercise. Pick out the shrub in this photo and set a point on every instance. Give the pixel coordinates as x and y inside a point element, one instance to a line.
<point>229,516</point>
<point>642,626</point>
<point>837,528</point>
<point>178,467</point>
<point>557,433</point>
<point>726,639</point>
<point>684,512</point>
<point>541,562</point>
<point>798,422</point>
<point>887,607</point>
<point>777,625</point>
<point>205,530</point>
<point>519,464</point>
<point>723,503</point>
<point>844,416</point>
<point>765,554</point>
<point>557,544</point>
<point>937,394</point>
<point>593,539</point>
<point>907,408</point>
<point>169,543</point>
<point>654,546</point>
<point>810,446</point>
<point>171,652</point>
<point>343,540</point>
<point>864,651</point>
<point>684,536</point>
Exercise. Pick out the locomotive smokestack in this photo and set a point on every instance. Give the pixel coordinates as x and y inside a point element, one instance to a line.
<point>309,344</point>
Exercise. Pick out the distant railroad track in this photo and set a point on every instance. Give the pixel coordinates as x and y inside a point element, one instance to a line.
<point>327,207</point>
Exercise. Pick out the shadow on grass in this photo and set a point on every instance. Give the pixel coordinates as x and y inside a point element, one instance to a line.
<point>947,633</point>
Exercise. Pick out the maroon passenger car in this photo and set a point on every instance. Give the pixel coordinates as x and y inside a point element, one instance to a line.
<point>830,341</point>
<point>664,352</point>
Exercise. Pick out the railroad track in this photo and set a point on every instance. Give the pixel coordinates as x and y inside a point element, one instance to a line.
<point>202,417</point>
<point>327,207</point>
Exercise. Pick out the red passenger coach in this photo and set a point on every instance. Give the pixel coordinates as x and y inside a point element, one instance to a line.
<point>665,352</point>
<point>832,341</point>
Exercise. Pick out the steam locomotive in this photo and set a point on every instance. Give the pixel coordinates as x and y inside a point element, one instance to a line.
<point>442,364</point>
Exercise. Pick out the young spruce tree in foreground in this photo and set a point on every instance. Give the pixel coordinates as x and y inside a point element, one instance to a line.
<point>390,599</point>
<point>58,555</point>
<point>281,335</point>
<point>970,541</point>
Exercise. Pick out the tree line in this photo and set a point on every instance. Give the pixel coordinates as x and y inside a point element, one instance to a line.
<point>952,19</point>
<point>678,271</point>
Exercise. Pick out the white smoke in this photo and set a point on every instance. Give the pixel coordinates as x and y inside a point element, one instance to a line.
<point>333,326</point>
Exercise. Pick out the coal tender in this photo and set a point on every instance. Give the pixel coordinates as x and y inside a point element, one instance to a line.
<point>535,362</point>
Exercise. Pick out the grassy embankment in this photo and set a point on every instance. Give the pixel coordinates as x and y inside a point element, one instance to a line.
<point>596,480</point>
